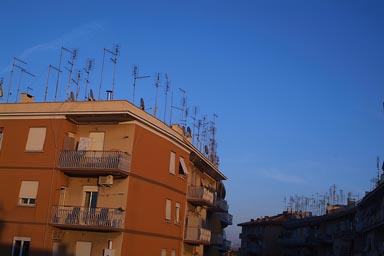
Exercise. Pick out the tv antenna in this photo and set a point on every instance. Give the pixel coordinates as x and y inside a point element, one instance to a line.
<point>114,52</point>
<point>166,95</point>
<point>74,55</point>
<point>46,85</point>
<point>22,71</point>
<point>157,84</point>
<point>194,118</point>
<point>70,70</point>
<point>11,75</point>
<point>136,76</point>
<point>87,69</point>
<point>182,108</point>
<point>77,82</point>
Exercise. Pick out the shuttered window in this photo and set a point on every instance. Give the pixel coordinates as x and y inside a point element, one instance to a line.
<point>168,210</point>
<point>36,138</point>
<point>28,192</point>
<point>172,163</point>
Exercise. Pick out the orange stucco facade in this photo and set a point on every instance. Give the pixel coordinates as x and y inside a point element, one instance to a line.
<point>94,178</point>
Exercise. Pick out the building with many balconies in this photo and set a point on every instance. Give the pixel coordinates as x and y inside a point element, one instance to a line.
<point>105,178</point>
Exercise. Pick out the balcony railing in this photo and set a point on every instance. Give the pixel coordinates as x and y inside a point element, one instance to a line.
<point>96,163</point>
<point>200,196</point>
<point>219,204</point>
<point>225,218</point>
<point>87,218</point>
<point>197,235</point>
<point>220,241</point>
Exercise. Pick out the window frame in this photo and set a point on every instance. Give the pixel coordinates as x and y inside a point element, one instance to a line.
<point>28,192</point>
<point>22,240</point>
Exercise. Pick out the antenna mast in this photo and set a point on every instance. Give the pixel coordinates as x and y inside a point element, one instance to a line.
<point>22,71</point>
<point>135,76</point>
<point>87,70</point>
<point>70,70</point>
<point>46,86</point>
<point>166,95</point>
<point>157,84</point>
<point>11,76</point>
<point>114,60</point>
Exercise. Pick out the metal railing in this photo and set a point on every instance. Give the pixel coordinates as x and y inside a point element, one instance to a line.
<point>94,159</point>
<point>221,204</point>
<point>225,217</point>
<point>87,217</point>
<point>197,235</point>
<point>200,193</point>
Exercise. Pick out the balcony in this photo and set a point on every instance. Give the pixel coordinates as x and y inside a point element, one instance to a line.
<point>94,163</point>
<point>197,235</point>
<point>220,205</point>
<point>220,241</point>
<point>82,218</point>
<point>200,196</point>
<point>225,218</point>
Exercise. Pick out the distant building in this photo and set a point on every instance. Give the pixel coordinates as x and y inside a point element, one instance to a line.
<point>260,237</point>
<point>105,178</point>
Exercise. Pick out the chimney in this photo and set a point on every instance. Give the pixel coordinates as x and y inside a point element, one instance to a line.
<point>25,97</point>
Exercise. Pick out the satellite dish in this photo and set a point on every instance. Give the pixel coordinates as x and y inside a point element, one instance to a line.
<point>71,96</point>
<point>142,106</point>
<point>206,149</point>
<point>189,132</point>
<point>91,97</point>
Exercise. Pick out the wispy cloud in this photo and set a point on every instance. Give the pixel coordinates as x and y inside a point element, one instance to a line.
<point>284,177</point>
<point>70,38</point>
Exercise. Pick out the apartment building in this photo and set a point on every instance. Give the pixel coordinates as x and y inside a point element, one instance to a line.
<point>105,178</point>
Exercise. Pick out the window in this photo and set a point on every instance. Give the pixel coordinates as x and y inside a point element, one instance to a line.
<point>90,196</point>
<point>177,213</point>
<point>168,210</point>
<point>28,192</point>
<point>1,136</point>
<point>173,252</point>
<point>21,246</point>
<point>172,163</point>
<point>36,138</point>
<point>182,167</point>
<point>163,252</point>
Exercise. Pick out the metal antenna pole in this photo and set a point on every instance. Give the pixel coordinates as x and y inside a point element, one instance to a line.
<point>135,77</point>
<point>102,71</point>
<point>46,85</point>
<point>11,76</point>
<point>77,82</point>
<point>58,73</point>
<point>10,79</point>
<point>157,89</point>
<point>166,95</point>
<point>170,116</point>
<point>114,60</point>
<point>21,75</point>
<point>134,83</point>
<point>72,63</point>
<point>88,71</point>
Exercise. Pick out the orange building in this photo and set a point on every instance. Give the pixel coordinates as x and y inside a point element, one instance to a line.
<point>104,178</point>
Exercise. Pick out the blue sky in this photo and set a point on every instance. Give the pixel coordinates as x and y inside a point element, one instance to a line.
<point>298,85</point>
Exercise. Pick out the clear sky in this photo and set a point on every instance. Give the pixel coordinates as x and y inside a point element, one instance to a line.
<point>298,86</point>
